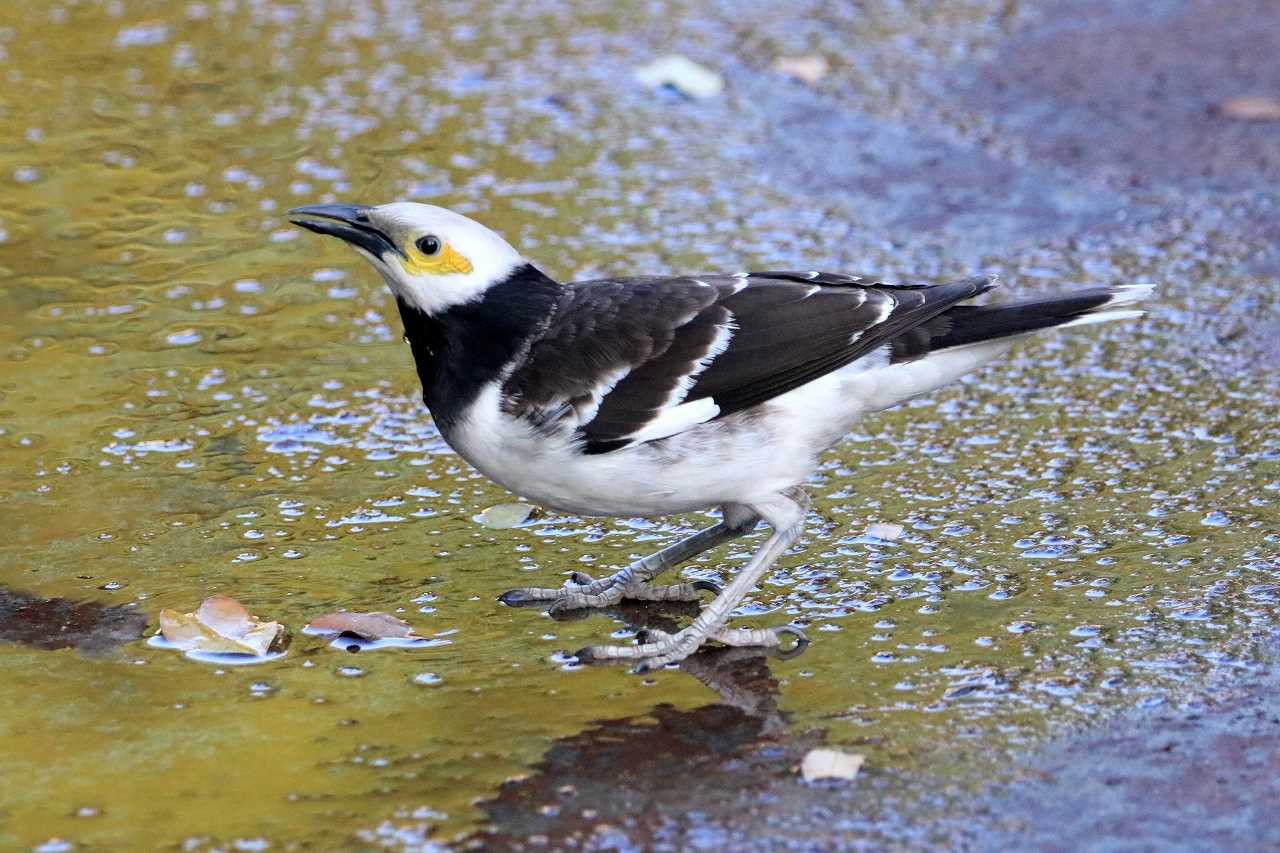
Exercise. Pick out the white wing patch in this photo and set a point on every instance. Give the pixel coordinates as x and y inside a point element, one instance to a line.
<point>588,411</point>
<point>720,343</point>
<point>677,419</point>
<point>676,416</point>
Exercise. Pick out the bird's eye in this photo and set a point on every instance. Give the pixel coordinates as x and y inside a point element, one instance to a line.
<point>428,245</point>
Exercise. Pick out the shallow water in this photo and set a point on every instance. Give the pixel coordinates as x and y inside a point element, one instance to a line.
<point>196,397</point>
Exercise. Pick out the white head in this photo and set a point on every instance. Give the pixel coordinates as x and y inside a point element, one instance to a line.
<point>431,258</point>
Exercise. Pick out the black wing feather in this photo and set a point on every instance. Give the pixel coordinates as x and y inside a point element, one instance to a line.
<point>618,353</point>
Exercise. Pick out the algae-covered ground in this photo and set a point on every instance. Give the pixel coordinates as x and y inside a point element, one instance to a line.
<point>196,398</point>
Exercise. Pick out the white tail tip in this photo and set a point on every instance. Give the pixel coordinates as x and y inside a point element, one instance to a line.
<point>1103,317</point>
<point>1114,308</point>
<point>1127,294</point>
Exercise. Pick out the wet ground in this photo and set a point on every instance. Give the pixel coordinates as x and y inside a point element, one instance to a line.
<point>195,398</point>
<point>1200,777</point>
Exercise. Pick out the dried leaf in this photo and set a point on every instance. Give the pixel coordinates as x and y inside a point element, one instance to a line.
<point>682,74</point>
<point>502,516</point>
<point>887,532</point>
<point>220,624</point>
<point>1251,108</point>
<point>807,69</point>
<point>367,626</point>
<point>830,764</point>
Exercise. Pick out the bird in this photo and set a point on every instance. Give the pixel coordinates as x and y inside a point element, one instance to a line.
<point>650,396</point>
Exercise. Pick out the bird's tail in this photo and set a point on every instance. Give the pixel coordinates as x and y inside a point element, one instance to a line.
<point>971,324</point>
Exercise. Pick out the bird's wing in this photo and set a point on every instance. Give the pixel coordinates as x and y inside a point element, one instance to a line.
<point>632,360</point>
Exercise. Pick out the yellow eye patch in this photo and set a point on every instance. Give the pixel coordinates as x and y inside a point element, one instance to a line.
<point>444,262</point>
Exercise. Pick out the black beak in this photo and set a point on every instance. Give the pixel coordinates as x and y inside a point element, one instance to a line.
<point>349,222</point>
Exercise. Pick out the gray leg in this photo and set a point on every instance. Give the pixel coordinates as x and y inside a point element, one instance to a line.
<point>633,581</point>
<point>760,638</point>
<point>785,514</point>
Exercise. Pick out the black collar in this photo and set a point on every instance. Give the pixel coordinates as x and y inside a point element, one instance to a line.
<point>460,351</point>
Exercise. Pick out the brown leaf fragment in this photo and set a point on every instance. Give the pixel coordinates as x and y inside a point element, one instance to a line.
<point>807,69</point>
<point>220,624</point>
<point>1251,108</point>
<point>366,626</point>
<point>830,764</point>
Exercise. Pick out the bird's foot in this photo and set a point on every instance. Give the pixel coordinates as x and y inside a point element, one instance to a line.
<point>655,649</point>
<point>581,591</point>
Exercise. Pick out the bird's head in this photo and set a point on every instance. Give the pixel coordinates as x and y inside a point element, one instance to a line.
<point>431,258</point>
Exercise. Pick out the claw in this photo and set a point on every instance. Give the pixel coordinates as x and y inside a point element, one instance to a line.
<point>585,655</point>
<point>801,640</point>
<point>516,598</point>
<point>707,586</point>
<point>580,579</point>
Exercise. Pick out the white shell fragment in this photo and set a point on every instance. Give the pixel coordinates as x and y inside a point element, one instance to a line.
<point>887,532</point>
<point>503,516</point>
<point>807,69</point>
<point>830,764</point>
<point>682,74</point>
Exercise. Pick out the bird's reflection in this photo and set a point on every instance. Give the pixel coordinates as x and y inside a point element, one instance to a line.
<point>625,783</point>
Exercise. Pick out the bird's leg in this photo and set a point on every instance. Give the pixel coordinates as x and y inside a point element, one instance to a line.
<point>785,513</point>
<point>759,638</point>
<point>633,581</point>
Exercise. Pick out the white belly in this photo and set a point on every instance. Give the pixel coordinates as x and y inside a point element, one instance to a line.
<point>741,458</point>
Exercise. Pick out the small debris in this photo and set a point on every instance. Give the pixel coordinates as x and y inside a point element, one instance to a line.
<point>366,626</point>
<point>144,34</point>
<point>887,532</point>
<point>220,625</point>
<point>830,764</point>
<point>503,516</point>
<point>809,68</point>
<point>682,74</point>
<point>1251,108</point>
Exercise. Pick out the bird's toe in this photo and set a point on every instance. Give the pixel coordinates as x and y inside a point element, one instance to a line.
<point>652,635</point>
<point>656,663</point>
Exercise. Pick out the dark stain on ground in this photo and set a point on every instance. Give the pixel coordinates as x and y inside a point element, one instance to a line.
<point>1128,92</point>
<point>59,623</point>
<point>914,181</point>
<point>1203,778</point>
